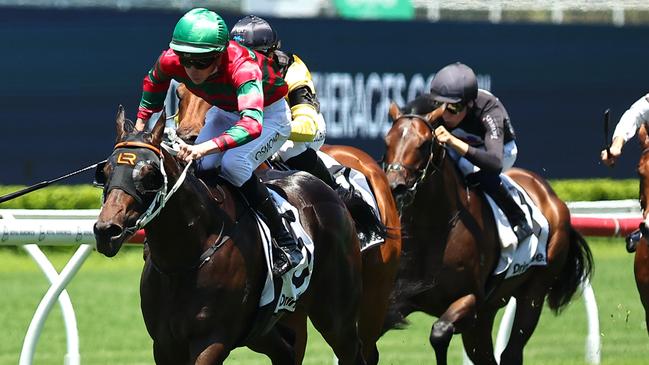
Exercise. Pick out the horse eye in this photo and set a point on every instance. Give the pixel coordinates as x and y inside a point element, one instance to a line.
<point>147,178</point>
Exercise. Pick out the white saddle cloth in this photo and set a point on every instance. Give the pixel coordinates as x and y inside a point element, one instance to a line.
<point>295,281</point>
<point>516,258</point>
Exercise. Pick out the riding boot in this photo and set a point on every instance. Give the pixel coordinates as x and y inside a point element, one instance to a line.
<point>498,192</point>
<point>286,253</point>
<point>309,161</point>
<point>632,240</point>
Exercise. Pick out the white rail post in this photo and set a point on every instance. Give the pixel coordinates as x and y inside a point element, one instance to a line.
<point>72,356</point>
<point>45,306</point>
<point>67,228</point>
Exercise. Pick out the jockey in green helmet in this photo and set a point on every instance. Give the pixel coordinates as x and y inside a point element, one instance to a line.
<point>249,120</point>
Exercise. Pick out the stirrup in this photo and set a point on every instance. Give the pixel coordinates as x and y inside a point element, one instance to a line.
<point>280,263</point>
<point>285,259</point>
<point>522,231</point>
<point>285,256</point>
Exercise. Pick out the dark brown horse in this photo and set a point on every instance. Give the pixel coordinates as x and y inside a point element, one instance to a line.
<point>380,264</point>
<point>205,271</point>
<point>641,264</point>
<point>451,247</point>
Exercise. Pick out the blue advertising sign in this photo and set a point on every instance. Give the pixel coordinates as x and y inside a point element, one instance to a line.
<point>66,71</point>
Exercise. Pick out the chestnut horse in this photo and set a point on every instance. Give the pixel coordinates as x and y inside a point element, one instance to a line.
<point>203,276</point>
<point>451,246</point>
<point>380,264</point>
<point>641,263</point>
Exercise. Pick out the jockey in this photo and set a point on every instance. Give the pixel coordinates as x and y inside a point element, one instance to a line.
<point>248,93</point>
<point>478,134</point>
<point>626,128</point>
<point>307,126</point>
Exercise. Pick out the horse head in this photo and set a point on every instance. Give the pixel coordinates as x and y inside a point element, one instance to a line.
<point>191,114</point>
<point>411,151</point>
<point>132,179</point>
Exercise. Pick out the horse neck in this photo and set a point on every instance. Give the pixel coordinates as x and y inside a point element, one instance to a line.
<point>440,196</point>
<point>186,226</point>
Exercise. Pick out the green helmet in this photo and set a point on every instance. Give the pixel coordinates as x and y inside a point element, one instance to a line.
<point>200,31</point>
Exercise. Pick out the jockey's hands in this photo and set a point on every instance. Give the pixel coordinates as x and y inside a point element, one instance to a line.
<point>140,124</point>
<point>446,138</point>
<point>194,152</point>
<point>609,159</point>
<point>443,135</point>
<point>615,150</point>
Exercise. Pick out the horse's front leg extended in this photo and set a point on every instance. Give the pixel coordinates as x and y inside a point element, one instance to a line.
<point>212,354</point>
<point>444,327</point>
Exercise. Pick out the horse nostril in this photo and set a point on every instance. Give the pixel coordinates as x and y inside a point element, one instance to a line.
<point>107,229</point>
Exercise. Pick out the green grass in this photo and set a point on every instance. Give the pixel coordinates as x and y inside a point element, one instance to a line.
<point>105,296</point>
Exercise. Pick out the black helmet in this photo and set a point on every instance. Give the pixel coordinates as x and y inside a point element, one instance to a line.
<point>454,83</point>
<point>255,33</point>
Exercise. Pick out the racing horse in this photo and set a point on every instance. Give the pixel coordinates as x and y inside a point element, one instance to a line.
<point>451,246</point>
<point>203,276</point>
<point>380,264</point>
<point>641,261</point>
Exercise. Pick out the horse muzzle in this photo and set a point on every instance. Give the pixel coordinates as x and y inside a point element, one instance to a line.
<point>109,237</point>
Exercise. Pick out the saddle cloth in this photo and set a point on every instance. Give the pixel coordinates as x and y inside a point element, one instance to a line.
<point>516,258</point>
<point>348,177</point>
<point>295,281</point>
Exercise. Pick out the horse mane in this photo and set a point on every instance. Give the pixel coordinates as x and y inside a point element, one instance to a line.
<point>421,105</point>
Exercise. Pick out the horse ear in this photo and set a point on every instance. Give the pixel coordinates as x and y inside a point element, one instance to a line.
<point>395,111</point>
<point>435,114</point>
<point>158,129</point>
<point>120,124</point>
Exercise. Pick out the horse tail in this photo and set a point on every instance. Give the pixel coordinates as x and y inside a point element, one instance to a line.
<point>577,268</point>
<point>366,221</point>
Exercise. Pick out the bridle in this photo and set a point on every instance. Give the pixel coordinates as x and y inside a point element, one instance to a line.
<point>429,169</point>
<point>160,200</point>
<point>164,194</point>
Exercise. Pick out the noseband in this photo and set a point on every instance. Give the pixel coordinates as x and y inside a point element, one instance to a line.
<point>422,173</point>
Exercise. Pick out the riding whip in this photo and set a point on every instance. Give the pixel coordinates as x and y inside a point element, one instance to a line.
<point>43,184</point>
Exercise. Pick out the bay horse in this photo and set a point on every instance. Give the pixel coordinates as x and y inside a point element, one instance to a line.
<point>380,264</point>
<point>205,269</point>
<point>641,260</point>
<point>451,246</point>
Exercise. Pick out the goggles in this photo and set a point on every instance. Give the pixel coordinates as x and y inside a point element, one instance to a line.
<point>453,108</point>
<point>198,63</point>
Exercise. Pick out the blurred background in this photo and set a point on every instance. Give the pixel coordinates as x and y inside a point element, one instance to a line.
<point>556,65</point>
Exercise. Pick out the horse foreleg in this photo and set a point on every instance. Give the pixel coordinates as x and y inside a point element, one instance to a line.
<point>444,327</point>
<point>277,345</point>
<point>168,353</point>
<point>296,322</point>
<point>477,341</point>
<point>212,353</point>
<point>641,269</point>
<point>528,312</point>
<point>378,279</point>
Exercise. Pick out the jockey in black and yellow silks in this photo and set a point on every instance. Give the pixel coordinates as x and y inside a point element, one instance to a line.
<point>308,128</point>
